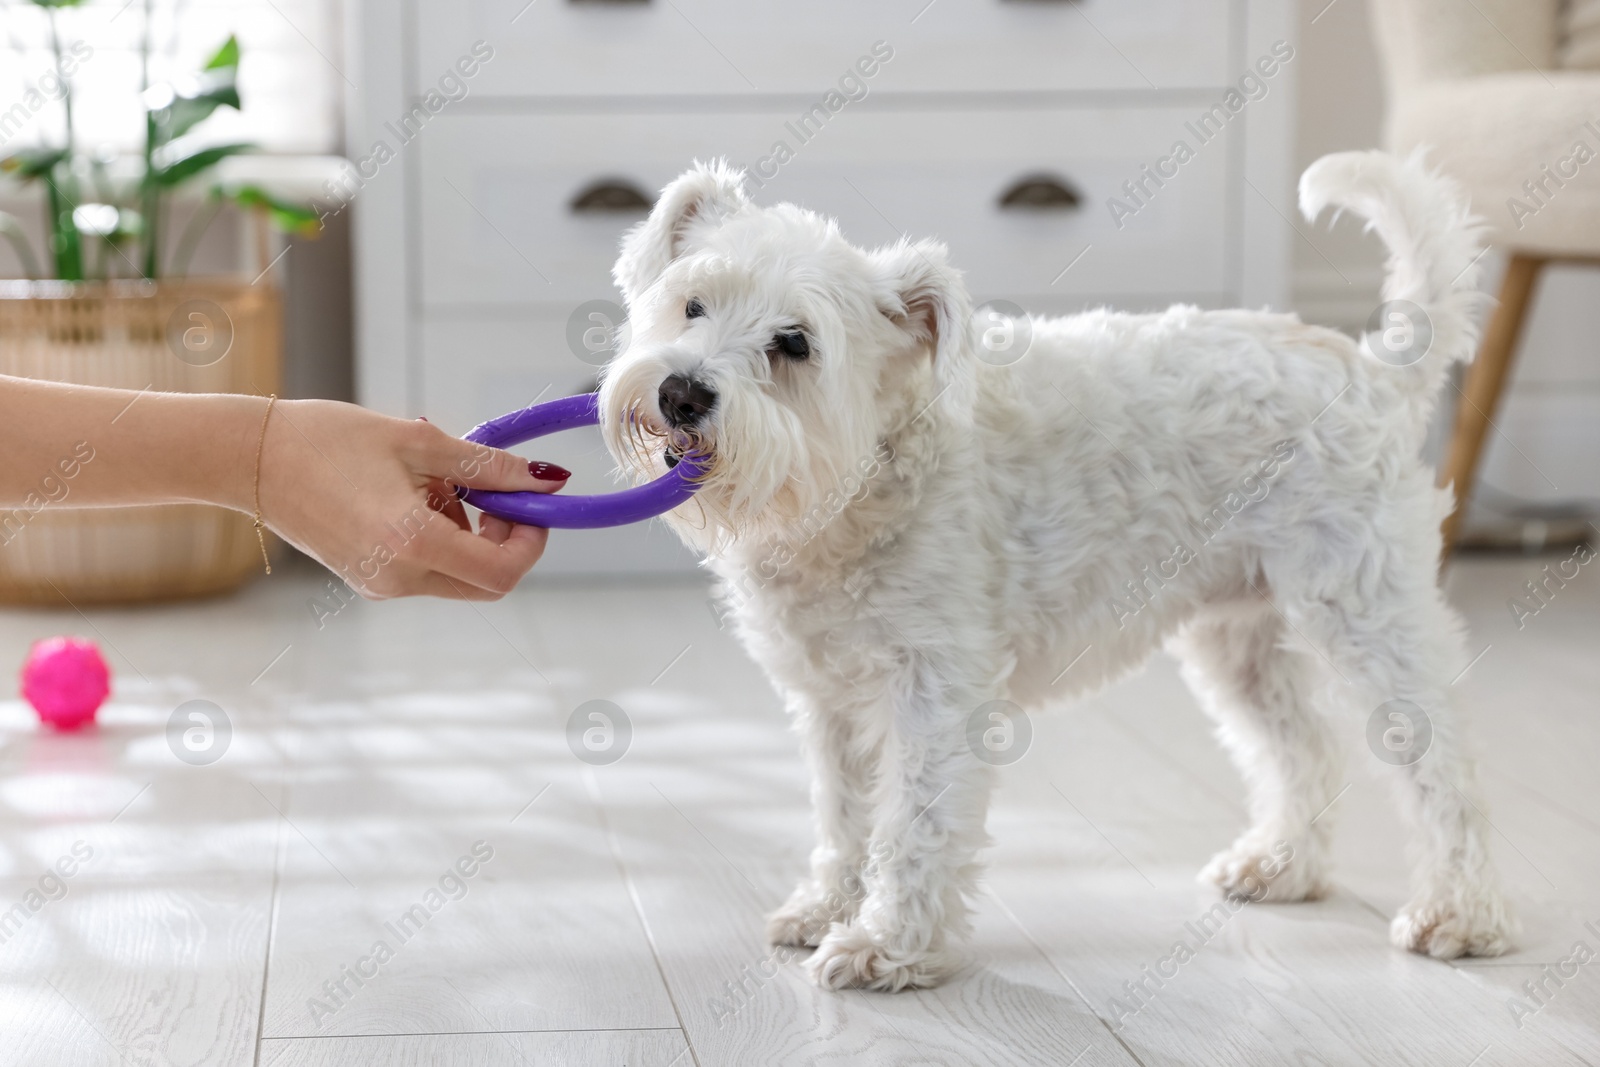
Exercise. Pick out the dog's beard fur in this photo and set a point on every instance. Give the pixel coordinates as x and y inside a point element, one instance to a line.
<point>755,451</point>
<point>770,464</point>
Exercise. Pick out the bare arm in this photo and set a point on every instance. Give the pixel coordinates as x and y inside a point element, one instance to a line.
<point>363,493</point>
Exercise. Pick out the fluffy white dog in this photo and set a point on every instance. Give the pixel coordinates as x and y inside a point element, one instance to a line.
<point>906,534</point>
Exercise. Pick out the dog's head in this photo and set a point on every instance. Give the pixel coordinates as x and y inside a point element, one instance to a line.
<point>761,338</point>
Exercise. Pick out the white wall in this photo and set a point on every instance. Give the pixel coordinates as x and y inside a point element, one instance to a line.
<point>1336,272</point>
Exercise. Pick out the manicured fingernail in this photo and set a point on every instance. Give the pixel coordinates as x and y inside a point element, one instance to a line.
<point>548,472</point>
<point>422,418</point>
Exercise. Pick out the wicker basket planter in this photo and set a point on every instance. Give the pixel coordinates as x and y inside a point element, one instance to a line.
<point>193,336</point>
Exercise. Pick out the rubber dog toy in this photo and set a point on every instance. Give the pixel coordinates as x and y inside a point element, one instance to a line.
<point>66,680</point>
<point>575,512</point>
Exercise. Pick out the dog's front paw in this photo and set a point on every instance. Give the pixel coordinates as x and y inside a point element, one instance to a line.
<point>851,958</point>
<point>1477,924</point>
<point>1280,874</point>
<point>805,917</point>
<point>798,926</point>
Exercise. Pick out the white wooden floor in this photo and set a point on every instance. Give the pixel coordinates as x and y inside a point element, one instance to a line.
<point>623,902</point>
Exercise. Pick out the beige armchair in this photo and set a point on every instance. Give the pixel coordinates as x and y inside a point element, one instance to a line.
<point>1506,95</point>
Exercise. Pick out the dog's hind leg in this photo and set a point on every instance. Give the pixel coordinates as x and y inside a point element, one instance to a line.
<point>1399,656</point>
<point>1258,690</point>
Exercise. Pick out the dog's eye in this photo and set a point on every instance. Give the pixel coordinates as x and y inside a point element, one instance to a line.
<point>793,345</point>
<point>694,310</point>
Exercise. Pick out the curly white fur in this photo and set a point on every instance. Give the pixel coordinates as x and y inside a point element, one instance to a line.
<point>1082,498</point>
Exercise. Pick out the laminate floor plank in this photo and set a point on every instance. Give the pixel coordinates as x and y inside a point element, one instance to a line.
<point>590,1048</point>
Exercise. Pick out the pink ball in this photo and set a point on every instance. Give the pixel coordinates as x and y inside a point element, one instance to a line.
<point>66,680</point>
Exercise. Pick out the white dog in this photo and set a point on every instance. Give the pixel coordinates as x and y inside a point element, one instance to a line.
<point>906,534</point>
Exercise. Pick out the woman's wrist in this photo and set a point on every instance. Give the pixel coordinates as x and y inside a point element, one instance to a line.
<point>209,441</point>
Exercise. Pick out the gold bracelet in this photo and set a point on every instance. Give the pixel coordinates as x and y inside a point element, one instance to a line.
<point>261,444</point>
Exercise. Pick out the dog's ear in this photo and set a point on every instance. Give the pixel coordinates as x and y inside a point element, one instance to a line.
<point>705,194</point>
<point>925,296</point>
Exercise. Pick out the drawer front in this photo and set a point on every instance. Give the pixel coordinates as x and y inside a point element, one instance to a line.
<point>475,367</point>
<point>561,48</point>
<point>497,226</point>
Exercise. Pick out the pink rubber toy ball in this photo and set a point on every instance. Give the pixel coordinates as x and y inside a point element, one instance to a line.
<point>66,680</point>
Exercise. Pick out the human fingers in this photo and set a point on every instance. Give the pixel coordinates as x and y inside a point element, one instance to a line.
<point>479,560</point>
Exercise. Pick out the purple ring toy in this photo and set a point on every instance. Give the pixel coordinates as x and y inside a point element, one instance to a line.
<point>575,512</point>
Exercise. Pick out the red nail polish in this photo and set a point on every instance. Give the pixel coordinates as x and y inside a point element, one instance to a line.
<point>422,418</point>
<point>548,472</point>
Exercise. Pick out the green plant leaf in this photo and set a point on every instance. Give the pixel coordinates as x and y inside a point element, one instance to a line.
<point>57,3</point>
<point>194,104</point>
<point>227,55</point>
<point>285,214</point>
<point>65,245</point>
<point>32,163</point>
<point>187,166</point>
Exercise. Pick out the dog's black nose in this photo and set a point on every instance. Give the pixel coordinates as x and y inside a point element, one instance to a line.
<point>684,401</point>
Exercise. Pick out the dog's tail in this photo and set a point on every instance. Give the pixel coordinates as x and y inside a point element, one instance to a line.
<point>1434,248</point>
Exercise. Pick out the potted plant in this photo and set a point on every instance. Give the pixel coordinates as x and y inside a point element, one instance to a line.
<point>107,302</point>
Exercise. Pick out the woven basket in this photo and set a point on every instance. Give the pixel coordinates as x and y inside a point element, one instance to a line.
<point>194,336</point>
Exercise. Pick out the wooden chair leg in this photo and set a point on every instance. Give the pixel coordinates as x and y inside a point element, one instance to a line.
<point>1486,379</point>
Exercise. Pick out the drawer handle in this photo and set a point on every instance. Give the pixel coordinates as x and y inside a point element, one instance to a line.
<point>611,196</point>
<point>1040,192</point>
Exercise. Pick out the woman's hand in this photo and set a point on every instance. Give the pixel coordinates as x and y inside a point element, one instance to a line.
<point>372,498</point>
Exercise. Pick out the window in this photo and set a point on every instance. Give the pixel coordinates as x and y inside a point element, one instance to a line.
<point>292,70</point>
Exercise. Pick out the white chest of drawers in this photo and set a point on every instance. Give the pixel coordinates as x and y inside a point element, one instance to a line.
<point>1010,129</point>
